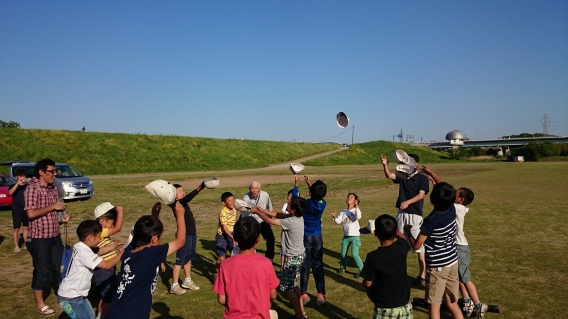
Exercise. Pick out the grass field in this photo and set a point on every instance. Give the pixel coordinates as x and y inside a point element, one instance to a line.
<point>516,229</point>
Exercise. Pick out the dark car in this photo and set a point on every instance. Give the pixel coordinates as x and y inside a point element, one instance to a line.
<point>5,183</point>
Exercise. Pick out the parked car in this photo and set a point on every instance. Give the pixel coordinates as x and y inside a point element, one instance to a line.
<point>70,183</point>
<point>5,183</point>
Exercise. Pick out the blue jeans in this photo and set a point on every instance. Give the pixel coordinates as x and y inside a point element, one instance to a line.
<point>314,258</point>
<point>77,308</point>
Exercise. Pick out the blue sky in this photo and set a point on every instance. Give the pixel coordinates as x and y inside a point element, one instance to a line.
<point>282,70</point>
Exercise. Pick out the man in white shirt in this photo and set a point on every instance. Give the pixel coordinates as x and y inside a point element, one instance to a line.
<point>257,197</point>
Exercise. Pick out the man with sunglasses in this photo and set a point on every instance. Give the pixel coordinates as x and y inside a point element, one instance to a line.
<point>44,240</point>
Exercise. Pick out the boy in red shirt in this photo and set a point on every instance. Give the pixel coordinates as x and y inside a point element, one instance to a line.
<point>246,283</point>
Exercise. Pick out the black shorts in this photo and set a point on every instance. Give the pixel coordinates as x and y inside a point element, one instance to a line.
<point>19,218</point>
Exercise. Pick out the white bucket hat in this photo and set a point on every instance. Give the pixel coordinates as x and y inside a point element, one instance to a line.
<point>102,209</point>
<point>241,205</point>
<point>163,190</point>
<point>296,168</point>
<point>211,183</point>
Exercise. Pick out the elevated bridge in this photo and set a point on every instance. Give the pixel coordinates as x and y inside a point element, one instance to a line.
<point>500,142</point>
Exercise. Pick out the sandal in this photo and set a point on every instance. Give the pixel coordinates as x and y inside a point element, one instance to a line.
<point>46,311</point>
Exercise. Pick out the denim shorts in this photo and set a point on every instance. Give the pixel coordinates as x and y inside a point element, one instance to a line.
<point>222,244</point>
<point>187,252</point>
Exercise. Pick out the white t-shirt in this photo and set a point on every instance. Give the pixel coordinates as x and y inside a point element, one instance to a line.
<point>78,280</point>
<point>350,220</point>
<point>461,210</point>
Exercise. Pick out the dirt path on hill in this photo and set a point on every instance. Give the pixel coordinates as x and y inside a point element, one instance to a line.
<point>227,172</point>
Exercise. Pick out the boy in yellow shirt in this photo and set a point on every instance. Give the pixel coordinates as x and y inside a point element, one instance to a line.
<point>224,239</point>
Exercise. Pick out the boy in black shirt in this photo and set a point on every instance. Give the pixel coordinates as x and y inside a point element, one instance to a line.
<point>186,254</point>
<point>384,274</point>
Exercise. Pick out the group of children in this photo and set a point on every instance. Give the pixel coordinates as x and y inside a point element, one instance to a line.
<point>246,283</point>
<point>439,237</point>
<point>95,256</point>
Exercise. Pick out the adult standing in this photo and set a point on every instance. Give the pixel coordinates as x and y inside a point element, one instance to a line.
<point>44,240</point>
<point>257,197</point>
<point>19,216</point>
<point>410,201</point>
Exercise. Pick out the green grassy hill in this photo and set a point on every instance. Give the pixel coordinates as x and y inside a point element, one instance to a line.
<point>117,153</point>
<point>370,153</point>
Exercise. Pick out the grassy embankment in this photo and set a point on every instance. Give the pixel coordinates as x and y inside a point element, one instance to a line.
<point>115,153</point>
<point>370,152</point>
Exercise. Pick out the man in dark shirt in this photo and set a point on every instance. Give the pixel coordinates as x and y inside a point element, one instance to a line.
<point>410,201</point>
<point>19,215</point>
<point>186,254</point>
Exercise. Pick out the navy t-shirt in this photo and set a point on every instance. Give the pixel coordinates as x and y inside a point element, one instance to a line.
<point>138,278</point>
<point>409,188</point>
<point>440,246</point>
<point>18,202</point>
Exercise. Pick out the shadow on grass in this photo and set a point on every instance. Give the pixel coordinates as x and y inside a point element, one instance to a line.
<point>166,275</point>
<point>416,287</point>
<point>164,311</point>
<point>331,272</point>
<point>205,266</point>
<point>2,240</point>
<point>420,305</point>
<point>328,310</point>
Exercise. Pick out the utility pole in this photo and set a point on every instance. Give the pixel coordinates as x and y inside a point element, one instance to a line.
<point>545,124</point>
<point>352,134</point>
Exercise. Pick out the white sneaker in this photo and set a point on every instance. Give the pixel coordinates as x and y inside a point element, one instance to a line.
<point>177,290</point>
<point>189,284</point>
<point>480,312</point>
<point>468,308</point>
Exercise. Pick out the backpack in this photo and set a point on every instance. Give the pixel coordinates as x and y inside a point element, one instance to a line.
<point>67,256</point>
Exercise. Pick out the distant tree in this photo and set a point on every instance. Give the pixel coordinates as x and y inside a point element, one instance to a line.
<point>10,124</point>
<point>534,151</point>
<point>476,151</point>
<point>456,153</point>
<point>524,135</point>
<point>561,149</point>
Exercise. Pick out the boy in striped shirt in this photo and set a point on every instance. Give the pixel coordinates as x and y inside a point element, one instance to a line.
<point>438,234</point>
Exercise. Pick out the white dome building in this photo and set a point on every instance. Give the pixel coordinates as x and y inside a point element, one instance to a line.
<point>456,138</point>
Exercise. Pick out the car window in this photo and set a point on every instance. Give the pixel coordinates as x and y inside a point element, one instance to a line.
<point>29,169</point>
<point>6,181</point>
<point>66,171</point>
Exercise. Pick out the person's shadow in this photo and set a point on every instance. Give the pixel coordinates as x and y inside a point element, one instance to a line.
<point>166,275</point>
<point>203,265</point>
<point>164,311</point>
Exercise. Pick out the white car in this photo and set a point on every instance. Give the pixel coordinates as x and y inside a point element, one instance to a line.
<point>70,183</point>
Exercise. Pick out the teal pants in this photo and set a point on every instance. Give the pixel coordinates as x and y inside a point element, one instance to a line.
<point>355,242</point>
